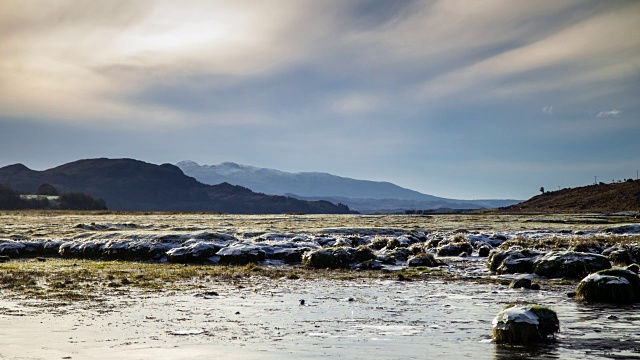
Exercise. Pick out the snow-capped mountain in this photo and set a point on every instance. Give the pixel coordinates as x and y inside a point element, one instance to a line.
<point>361,195</point>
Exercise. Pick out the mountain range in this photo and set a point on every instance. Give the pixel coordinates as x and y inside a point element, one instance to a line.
<point>127,184</point>
<point>361,195</point>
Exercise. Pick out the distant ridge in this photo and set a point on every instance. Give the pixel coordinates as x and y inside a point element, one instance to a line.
<point>609,198</point>
<point>361,195</point>
<point>128,184</point>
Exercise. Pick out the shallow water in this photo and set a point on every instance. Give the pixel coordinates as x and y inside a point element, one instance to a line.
<point>355,319</point>
<point>340,319</point>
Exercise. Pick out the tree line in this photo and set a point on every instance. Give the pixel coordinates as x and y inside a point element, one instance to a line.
<point>11,199</point>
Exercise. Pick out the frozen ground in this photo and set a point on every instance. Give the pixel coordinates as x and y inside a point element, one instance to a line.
<point>262,318</point>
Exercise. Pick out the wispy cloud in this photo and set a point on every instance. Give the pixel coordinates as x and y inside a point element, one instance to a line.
<point>547,109</point>
<point>609,113</point>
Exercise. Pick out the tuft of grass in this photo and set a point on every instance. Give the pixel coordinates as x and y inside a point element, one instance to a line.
<point>292,276</point>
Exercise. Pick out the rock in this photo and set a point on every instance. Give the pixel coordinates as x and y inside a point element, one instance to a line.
<point>116,249</point>
<point>512,261</point>
<point>593,247</point>
<point>423,260</point>
<point>207,295</point>
<point>484,251</point>
<point>535,286</point>
<point>11,248</point>
<point>398,254</point>
<point>193,252</point>
<point>51,247</point>
<point>338,257</point>
<point>378,243</point>
<point>520,283</point>
<point>416,249</point>
<point>618,256</point>
<point>241,254</point>
<point>480,240</point>
<point>290,255</point>
<point>610,286</point>
<point>524,324</point>
<point>513,264</point>
<point>432,244</point>
<point>454,249</point>
<point>370,265</point>
<point>393,243</point>
<point>633,268</point>
<point>569,264</point>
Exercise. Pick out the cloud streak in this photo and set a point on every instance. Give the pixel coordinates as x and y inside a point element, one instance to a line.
<point>609,113</point>
<point>407,82</point>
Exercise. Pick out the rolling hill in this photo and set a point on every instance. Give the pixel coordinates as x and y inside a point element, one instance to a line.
<point>615,197</point>
<point>128,184</point>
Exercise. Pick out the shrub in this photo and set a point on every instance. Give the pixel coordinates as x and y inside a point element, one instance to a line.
<point>80,201</point>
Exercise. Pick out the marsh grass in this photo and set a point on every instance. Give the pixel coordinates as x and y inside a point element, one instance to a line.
<point>79,280</point>
<point>71,280</point>
<point>576,243</point>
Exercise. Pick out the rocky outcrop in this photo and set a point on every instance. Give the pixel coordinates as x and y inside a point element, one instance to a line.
<point>569,264</point>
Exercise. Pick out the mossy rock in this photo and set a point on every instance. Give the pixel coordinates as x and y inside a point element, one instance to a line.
<point>455,249</point>
<point>337,257</point>
<point>497,256</point>
<point>362,253</point>
<point>378,243</point>
<point>416,249</point>
<point>432,244</point>
<point>423,260</point>
<point>516,265</point>
<point>393,243</point>
<point>616,286</point>
<point>400,254</point>
<point>593,247</point>
<point>525,324</point>
<point>484,251</point>
<point>619,256</point>
<point>569,264</point>
<point>331,258</point>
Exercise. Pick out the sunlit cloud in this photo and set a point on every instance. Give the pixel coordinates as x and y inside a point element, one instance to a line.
<point>412,79</point>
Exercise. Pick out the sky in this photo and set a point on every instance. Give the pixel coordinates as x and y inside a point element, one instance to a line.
<point>460,99</point>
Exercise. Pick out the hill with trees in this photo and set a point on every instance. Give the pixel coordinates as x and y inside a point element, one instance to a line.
<point>128,184</point>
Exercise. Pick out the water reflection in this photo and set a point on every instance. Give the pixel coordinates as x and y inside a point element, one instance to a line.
<point>514,352</point>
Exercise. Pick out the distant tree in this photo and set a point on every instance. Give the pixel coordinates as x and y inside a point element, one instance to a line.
<point>9,199</point>
<point>542,189</point>
<point>47,189</point>
<point>80,201</point>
